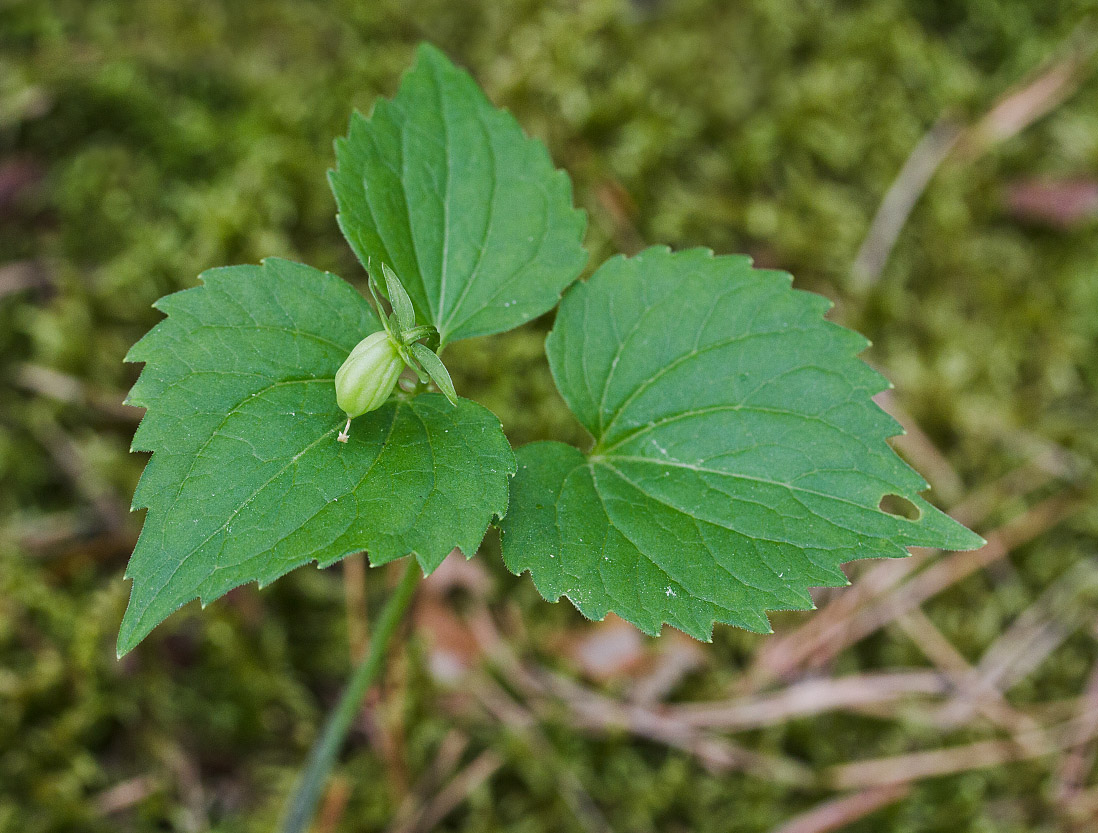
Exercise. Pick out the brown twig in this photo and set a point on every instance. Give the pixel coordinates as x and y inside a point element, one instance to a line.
<point>598,713</point>
<point>939,650</point>
<point>62,387</point>
<point>916,766</point>
<point>527,726</point>
<point>358,614</point>
<point>188,780</point>
<point>22,275</point>
<point>1072,773</point>
<point>882,598</point>
<point>781,655</point>
<point>125,795</point>
<point>810,697</point>
<point>410,815</point>
<point>1038,631</point>
<point>1012,113</point>
<point>479,770</point>
<point>71,461</point>
<point>1023,105</point>
<point>899,201</point>
<point>595,712</point>
<point>333,805</point>
<point>839,812</point>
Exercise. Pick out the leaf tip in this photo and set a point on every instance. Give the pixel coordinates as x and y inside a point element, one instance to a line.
<point>967,540</point>
<point>129,635</point>
<point>426,49</point>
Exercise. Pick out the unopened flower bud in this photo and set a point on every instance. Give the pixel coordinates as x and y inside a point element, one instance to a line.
<point>368,376</point>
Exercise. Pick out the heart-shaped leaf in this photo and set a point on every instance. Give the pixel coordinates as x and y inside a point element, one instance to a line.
<point>247,482</point>
<point>739,458</point>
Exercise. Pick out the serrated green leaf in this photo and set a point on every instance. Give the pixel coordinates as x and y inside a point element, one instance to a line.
<point>247,482</point>
<point>434,367</point>
<point>470,212</point>
<point>739,458</point>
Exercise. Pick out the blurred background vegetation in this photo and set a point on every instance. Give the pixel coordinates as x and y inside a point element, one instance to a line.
<point>143,142</point>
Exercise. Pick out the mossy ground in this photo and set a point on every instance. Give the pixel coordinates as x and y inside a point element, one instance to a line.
<point>143,142</point>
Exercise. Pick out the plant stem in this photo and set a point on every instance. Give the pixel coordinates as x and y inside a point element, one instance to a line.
<point>322,757</point>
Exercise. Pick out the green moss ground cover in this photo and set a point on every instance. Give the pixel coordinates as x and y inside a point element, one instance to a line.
<point>143,142</point>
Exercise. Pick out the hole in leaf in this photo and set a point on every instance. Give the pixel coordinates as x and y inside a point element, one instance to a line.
<point>899,506</point>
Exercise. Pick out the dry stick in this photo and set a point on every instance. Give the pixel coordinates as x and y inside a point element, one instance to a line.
<point>602,714</point>
<point>916,766</point>
<point>388,731</point>
<point>809,697</point>
<point>939,650</point>
<point>333,806</point>
<point>1073,770</point>
<point>1036,633</point>
<point>483,767</point>
<point>61,387</point>
<point>596,712</point>
<point>1020,107</point>
<point>354,596</point>
<point>59,535</point>
<point>839,812</point>
<point>411,811</point>
<point>1042,628</point>
<point>507,709</point>
<point>73,463</point>
<point>898,202</point>
<point>816,647</point>
<point>1026,479</point>
<point>1011,114</point>
<point>932,643</point>
<point>22,275</point>
<point>781,655</point>
<point>188,781</point>
<point>946,572</point>
<point>124,795</point>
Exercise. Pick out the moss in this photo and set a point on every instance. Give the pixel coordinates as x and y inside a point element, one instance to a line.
<point>158,139</point>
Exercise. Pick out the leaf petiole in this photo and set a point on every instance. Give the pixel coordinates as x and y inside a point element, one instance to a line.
<point>322,757</point>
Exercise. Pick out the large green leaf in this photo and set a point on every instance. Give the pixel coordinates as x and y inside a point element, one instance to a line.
<point>738,457</point>
<point>471,214</point>
<point>247,480</point>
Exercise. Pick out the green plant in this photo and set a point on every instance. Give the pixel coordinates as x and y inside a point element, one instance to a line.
<point>738,458</point>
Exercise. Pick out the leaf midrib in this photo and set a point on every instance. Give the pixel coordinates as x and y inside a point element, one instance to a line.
<point>667,368</point>
<point>607,460</point>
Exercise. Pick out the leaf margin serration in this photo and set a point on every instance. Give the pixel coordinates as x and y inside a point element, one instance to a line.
<point>155,379</point>
<point>933,528</point>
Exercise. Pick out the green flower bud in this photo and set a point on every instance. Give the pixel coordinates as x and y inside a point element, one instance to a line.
<point>367,377</point>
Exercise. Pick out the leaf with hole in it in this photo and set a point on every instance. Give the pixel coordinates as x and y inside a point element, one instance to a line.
<point>471,213</point>
<point>739,458</point>
<point>247,482</point>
